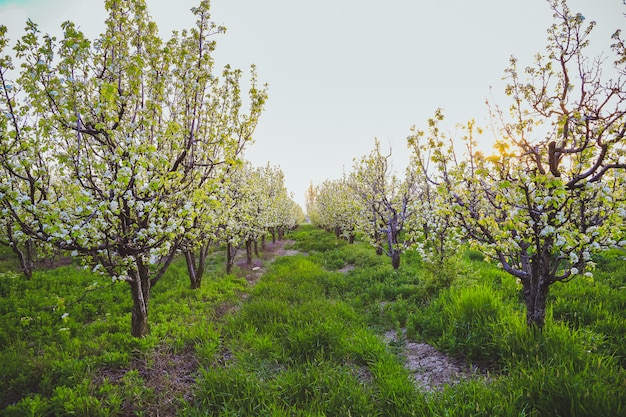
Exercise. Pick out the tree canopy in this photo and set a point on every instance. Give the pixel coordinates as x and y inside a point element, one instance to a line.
<point>112,148</point>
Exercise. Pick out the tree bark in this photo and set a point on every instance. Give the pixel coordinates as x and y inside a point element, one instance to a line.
<point>256,248</point>
<point>392,241</point>
<point>535,296</point>
<point>378,238</point>
<point>395,259</point>
<point>249,252</point>
<point>195,265</point>
<point>26,258</point>
<point>230,257</point>
<point>190,259</point>
<point>140,290</point>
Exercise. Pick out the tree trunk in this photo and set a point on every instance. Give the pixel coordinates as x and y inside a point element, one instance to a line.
<point>535,296</point>
<point>395,259</point>
<point>190,259</point>
<point>392,242</point>
<point>26,257</point>
<point>273,231</point>
<point>256,248</point>
<point>281,233</point>
<point>351,238</point>
<point>263,242</point>
<point>140,290</point>
<point>230,257</point>
<point>249,252</point>
<point>195,265</point>
<point>378,238</point>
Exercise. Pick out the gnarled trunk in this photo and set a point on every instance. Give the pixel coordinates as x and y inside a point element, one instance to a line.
<point>141,281</point>
<point>537,274</point>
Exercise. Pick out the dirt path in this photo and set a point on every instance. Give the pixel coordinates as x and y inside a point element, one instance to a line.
<point>432,370</point>
<point>172,374</point>
<point>253,271</point>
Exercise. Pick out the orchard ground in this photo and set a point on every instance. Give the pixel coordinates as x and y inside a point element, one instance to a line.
<point>314,326</point>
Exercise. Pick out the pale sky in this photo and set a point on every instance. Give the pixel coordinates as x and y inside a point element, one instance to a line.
<point>343,72</point>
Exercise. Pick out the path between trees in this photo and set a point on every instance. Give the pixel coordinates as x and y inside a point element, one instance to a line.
<point>431,369</point>
<point>253,271</point>
<point>172,373</point>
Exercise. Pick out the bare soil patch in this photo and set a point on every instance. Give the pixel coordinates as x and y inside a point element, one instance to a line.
<point>169,375</point>
<point>432,370</point>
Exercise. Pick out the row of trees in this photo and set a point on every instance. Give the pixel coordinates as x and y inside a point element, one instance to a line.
<point>126,150</point>
<point>257,204</point>
<point>550,196</point>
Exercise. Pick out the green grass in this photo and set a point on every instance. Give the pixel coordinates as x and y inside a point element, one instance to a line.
<point>292,348</point>
<point>65,344</point>
<point>473,310</point>
<point>305,340</point>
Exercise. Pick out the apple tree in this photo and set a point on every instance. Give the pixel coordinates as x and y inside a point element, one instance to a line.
<point>432,229</point>
<point>134,134</point>
<point>336,209</point>
<point>385,201</point>
<point>552,194</point>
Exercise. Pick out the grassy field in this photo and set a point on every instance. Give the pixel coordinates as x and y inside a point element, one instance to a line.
<point>306,340</point>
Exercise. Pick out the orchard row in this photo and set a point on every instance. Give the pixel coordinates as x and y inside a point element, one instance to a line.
<point>550,196</point>
<point>127,150</point>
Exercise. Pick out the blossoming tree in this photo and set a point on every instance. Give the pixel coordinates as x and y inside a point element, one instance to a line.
<point>336,208</point>
<point>552,194</point>
<point>385,201</point>
<point>432,229</point>
<point>256,203</point>
<point>135,134</point>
